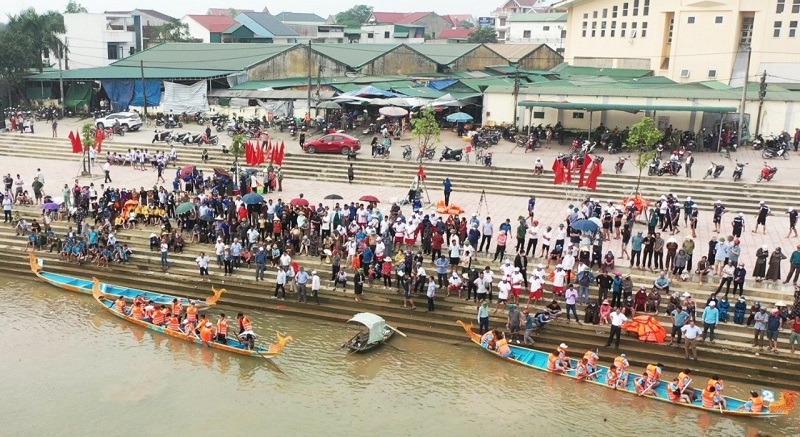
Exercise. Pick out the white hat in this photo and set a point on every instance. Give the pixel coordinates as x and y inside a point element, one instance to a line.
<point>719,201</point>
<point>208,324</point>
<point>712,304</point>
<point>507,261</point>
<point>741,214</point>
<point>761,202</point>
<point>540,266</point>
<point>688,198</point>
<point>559,266</point>
<point>313,272</point>
<point>516,269</point>
<point>791,209</point>
<point>563,346</point>
<point>260,249</point>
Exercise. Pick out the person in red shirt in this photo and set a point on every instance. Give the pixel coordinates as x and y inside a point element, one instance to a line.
<point>794,337</point>
<point>437,241</point>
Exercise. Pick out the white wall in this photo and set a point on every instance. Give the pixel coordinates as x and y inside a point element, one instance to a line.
<point>87,39</point>
<point>196,30</point>
<point>379,32</point>
<point>538,34</point>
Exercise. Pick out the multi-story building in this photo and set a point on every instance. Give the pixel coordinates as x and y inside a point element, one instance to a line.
<point>391,33</point>
<point>511,7</point>
<point>312,26</point>
<point>432,22</point>
<point>538,28</point>
<point>97,40</point>
<point>687,40</point>
<point>207,28</point>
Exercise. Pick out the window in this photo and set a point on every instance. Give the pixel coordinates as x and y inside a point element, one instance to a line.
<point>796,6</point>
<point>545,28</point>
<point>633,29</point>
<point>684,74</point>
<point>622,31</point>
<point>502,22</point>
<point>635,8</point>
<point>114,51</point>
<point>646,10</point>
<point>370,35</point>
<point>671,28</point>
<point>594,14</point>
<point>386,34</point>
<point>538,114</point>
<point>792,29</point>
<point>644,29</point>
<point>586,16</point>
<point>690,20</point>
<point>712,74</point>
<point>564,33</point>
<point>577,115</point>
<point>526,34</point>
<point>717,20</point>
<point>776,30</point>
<point>584,27</point>
<point>614,11</point>
<point>781,5</point>
<point>605,13</point>
<point>624,9</point>
<point>594,29</point>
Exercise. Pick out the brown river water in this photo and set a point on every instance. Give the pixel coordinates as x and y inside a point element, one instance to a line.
<point>68,368</point>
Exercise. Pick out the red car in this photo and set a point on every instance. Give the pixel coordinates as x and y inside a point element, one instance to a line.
<point>333,143</point>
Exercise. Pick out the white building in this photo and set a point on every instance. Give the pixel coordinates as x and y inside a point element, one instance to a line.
<point>392,33</point>
<point>542,28</point>
<point>511,7</point>
<point>207,28</point>
<point>687,40</point>
<point>97,40</point>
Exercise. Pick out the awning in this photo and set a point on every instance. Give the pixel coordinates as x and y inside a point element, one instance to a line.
<point>117,72</point>
<point>401,34</point>
<point>373,322</point>
<point>591,107</point>
<point>269,94</point>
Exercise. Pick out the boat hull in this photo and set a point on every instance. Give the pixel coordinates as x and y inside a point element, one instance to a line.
<point>538,360</point>
<point>355,347</point>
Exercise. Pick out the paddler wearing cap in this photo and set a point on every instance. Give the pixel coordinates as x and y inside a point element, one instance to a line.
<point>557,361</point>
<point>207,334</point>
<point>619,373</point>
<point>650,380</point>
<point>591,358</point>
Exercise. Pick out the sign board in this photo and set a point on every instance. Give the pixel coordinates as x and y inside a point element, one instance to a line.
<point>485,21</point>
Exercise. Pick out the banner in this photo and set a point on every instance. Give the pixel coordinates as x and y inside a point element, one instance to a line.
<point>587,161</point>
<point>558,172</point>
<point>597,170</point>
<point>184,98</point>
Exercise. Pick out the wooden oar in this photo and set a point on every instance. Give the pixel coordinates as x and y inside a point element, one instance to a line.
<point>648,388</point>
<point>396,330</point>
<point>394,347</point>
<point>686,385</point>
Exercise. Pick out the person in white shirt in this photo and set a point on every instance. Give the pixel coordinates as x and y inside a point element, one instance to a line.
<point>280,284</point>
<point>533,238</point>
<point>559,279</point>
<point>107,172</point>
<point>516,285</point>
<point>488,231</point>
<point>219,247</point>
<point>488,278</point>
<point>202,262</point>
<point>536,287</point>
<point>431,293</point>
<point>454,284</point>
<point>546,237</point>
<point>503,290</point>
<point>506,269</point>
<point>568,262</point>
<point>570,298</point>
<point>351,250</point>
<point>399,232</point>
<point>315,285</point>
<point>617,320</point>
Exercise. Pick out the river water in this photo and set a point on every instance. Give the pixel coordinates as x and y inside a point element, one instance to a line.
<point>69,368</point>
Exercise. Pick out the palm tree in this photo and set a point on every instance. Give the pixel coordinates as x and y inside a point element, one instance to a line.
<point>42,31</point>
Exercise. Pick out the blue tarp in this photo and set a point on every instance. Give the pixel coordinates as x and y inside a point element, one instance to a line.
<point>371,91</point>
<point>153,88</point>
<point>120,93</point>
<point>441,84</point>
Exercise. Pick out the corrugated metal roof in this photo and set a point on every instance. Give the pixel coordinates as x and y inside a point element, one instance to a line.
<point>353,55</point>
<point>627,108</point>
<point>115,72</point>
<point>300,17</point>
<point>565,69</point>
<point>537,17</point>
<point>275,83</point>
<point>215,56</point>
<point>444,54</point>
<point>515,52</point>
<point>268,94</point>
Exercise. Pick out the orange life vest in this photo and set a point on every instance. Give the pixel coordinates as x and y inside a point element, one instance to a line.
<point>683,379</point>
<point>502,347</point>
<point>612,376</point>
<point>671,390</point>
<point>758,404</point>
<point>716,383</point>
<point>177,308</point>
<point>552,359</point>
<point>158,317</point>
<point>138,312</point>
<point>653,372</point>
<point>121,304</point>
<point>222,326</point>
<point>591,357</point>
<point>247,324</point>
<point>174,323</point>
<point>582,372</point>
<point>191,314</point>
<point>139,300</point>
<point>620,363</point>
<point>205,334</point>
<point>708,398</point>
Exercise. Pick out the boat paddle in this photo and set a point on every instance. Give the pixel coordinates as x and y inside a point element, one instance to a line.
<point>394,347</point>
<point>648,388</point>
<point>267,359</point>
<point>396,330</point>
<point>686,385</point>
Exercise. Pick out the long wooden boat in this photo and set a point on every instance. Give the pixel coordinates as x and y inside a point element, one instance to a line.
<point>233,346</point>
<point>538,360</point>
<point>85,286</point>
<point>377,332</point>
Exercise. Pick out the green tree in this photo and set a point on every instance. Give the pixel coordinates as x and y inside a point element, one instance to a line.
<point>483,35</point>
<point>174,31</point>
<point>42,31</point>
<point>17,57</point>
<point>426,129</point>
<point>466,24</point>
<point>642,140</point>
<point>87,140</point>
<point>355,16</point>
<point>74,7</point>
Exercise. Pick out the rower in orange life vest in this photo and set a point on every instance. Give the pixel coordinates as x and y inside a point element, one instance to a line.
<point>558,361</point>
<point>159,316</point>
<point>174,323</point>
<point>675,394</point>
<point>718,387</point>
<point>137,312</point>
<point>121,304</point>
<point>202,322</point>
<point>621,365</point>
<point>207,334</point>
<point>591,360</point>
<point>188,328</point>
<point>191,313</point>
<point>246,333</point>
<point>612,377</point>
<point>138,299</point>
<point>647,383</point>
<point>489,340</point>
<point>177,308</point>
<point>222,329</point>
<point>710,398</point>
<point>582,371</point>
<point>753,405</point>
<point>502,346</point>
<point>149,311</point>
<point>683,384</point>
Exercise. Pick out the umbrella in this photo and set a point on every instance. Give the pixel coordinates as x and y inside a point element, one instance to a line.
<point>131,203</point>
<point>596,221</point>
<point>186,171</point>
<point>393,111</point>
<point>329,105</point>
<point>333,197</point>
<point>207,218</point>
<point>459,117</point>
<point>647,328</point>
<point>379,102</point>
<point>299,202</point>
<point>221,171</point>
<point>584,226</point>
<point>252,199</point>
<point>184,208</point>
<point>371,199</point>
<point>398,101</point>
<point>50,206</point>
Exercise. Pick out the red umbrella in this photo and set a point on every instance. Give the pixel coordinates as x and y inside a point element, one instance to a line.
<point>186,171</point>
<point>299,202</point>
<point>371,199</point>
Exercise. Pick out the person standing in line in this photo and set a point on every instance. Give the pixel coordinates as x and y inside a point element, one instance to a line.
<point>8,203</point>
<point>261,264</point>
<point>301,279</point>
<point>690,334</point>
<point>55,128</point>
<point>431,293</point>
<point>710,320</point>
<point>107,171</point>
<point>688,164</point>
<point>678,320</point>
<point>315,285</point>
<point>483,317</point>
<point>488,231</point>
<point>760,326</point>
<point>794,266</point>
<point>448,188</point>
<point>774,322</point>
<point>202,262</point>
<point>792,222</point>
<point>350,174</point>
<point>164,252</point>
<point>280,284</point>
<point>571,297</point>
<point>617,320</point>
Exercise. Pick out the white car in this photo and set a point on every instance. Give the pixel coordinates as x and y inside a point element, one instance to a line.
<point>128,120</point>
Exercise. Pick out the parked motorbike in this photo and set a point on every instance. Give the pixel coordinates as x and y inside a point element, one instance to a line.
<point>429,154</point>
<point>588,147</point>
<point>758,142</point>
<point>449,154</point>
<point>383,149</point>
<point>407,152</point>
<point>714,170</point>
<point>369,130</point>
<point>767,173</point>
<point>209,140</point>
<point>192,139</point>
<point>182,138</point>
<point>620,163</point>
<point>162,136</point>
<point>738,170</point>
<point>780,150</point>
<point>172,124</point>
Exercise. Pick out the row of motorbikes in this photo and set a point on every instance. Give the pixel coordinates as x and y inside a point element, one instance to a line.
<point>715,170</point>
<point>185,138</point>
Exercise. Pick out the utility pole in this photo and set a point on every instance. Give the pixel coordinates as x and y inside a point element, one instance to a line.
<point>516,94</point>
<point>744,98</point>
<point>309,78</point>
<point>144,89</point>
<point>762,92</point>
<point>63,50</point>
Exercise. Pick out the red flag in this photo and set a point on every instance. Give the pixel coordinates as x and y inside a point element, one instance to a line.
<point>269,149</point>
<point>558,171</point>
<point>421,173</point>
<point>78,147</point>
<point>71,137</point>
<point>597,170</point>
<point>260,160</point>
<point>281,152</point>
<point>587,161</point>
<point>273,157</point>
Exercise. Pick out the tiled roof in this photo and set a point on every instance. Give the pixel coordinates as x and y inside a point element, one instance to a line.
<point>399,17</point>
<point>456,33</point>
<point>300,17</point>
<point>269,23</point>
<point>214,23</point>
